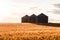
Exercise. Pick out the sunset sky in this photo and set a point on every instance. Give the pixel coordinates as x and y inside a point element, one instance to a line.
<point>11,11</point>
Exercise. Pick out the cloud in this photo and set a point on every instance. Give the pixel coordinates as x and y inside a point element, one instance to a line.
<point>57,5</point>
<point>56,9</point>
<point>34,8</point>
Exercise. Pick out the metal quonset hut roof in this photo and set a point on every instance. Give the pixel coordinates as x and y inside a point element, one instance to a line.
<point>42,18</point>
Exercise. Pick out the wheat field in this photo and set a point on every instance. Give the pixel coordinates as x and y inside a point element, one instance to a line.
<point>28,31</point>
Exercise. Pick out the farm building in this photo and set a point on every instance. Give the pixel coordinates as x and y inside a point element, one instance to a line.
<point>33,18</point>
<point>25,19</point>
<point>42,18</point>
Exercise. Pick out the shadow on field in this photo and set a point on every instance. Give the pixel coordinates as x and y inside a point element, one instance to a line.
<point>49,24</point>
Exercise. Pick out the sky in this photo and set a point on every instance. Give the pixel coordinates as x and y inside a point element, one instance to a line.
<point>11,11</point>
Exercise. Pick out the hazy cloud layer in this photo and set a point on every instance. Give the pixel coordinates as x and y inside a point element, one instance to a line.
<point>13,10</point>
<point>56,9</point>
<point>57,5</point>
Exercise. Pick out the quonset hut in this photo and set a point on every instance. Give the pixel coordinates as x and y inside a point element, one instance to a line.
<point>25,19</point>
<point>42,18</point>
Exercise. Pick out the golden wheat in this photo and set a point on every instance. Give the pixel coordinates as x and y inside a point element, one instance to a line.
<point>28,31</point>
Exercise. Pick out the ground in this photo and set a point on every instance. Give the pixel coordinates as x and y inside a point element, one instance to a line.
<point>28,30</point>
